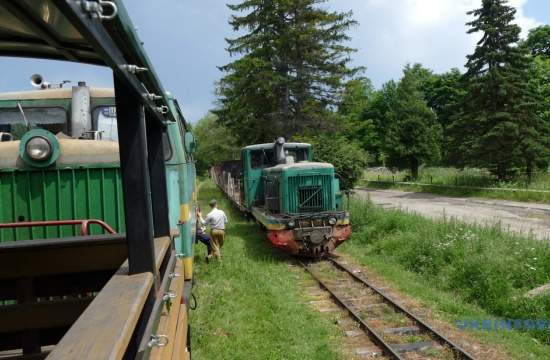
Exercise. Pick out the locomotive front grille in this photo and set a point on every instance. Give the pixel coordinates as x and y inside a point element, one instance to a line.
<point>310,198</point>
<point>309,193</point>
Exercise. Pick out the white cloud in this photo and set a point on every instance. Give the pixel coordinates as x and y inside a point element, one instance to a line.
<point>522,20</point>
<point>433,32</point>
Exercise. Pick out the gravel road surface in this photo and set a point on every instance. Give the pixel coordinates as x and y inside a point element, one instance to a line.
<point>514,216</point>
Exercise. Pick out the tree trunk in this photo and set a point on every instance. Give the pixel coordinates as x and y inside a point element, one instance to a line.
<point>501,172</point>
<point>415,164</point>
<point>529,171</point>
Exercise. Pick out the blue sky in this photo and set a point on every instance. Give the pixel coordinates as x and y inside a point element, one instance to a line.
<point>185,41</point>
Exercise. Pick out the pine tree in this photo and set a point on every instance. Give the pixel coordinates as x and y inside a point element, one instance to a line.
<point>291,71</point>
<point>413,134</point>
<point>498,128</point>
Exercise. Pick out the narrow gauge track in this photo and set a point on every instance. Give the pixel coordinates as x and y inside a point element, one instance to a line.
<point>385,337</point>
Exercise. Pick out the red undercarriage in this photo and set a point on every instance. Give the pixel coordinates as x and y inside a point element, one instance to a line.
<point>285,240</point>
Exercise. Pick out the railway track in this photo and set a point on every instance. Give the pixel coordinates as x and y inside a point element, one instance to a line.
<point>397,332</point>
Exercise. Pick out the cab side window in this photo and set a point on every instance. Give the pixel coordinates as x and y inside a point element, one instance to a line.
<point>260,159</point>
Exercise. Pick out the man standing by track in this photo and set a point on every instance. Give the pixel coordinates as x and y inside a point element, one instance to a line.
<point>217,220</point>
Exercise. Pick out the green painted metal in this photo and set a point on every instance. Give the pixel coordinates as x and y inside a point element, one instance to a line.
<point>315,182</point>
<point>64,103</point>
<point>181,186</point>
<point>253,184</point>
<point>91,191</point>
<point>60,194</point>
<point>307,191</point>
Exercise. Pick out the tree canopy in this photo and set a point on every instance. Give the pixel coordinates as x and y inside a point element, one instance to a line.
<point>292,67</point>
<point>215,144</point>
<point>291,77</point>
<point>498,127</point>
<point>538,41</point>
<point>413,134</point>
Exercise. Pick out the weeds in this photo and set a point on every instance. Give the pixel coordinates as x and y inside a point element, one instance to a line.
<point>483,266</point>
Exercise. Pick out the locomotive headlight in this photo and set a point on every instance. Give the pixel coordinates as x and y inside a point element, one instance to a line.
<point>332,221</point>
<point>38,148</point>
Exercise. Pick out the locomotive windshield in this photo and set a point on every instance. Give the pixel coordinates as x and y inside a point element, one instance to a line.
<point>266,157</point>
<point>18,120</point>
<point>262,158</point>
<point>104,120</point>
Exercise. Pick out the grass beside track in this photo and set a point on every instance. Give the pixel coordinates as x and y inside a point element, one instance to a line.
<point>250,305</point>
<point>463,271</point>
<point>465,182</point>
<point>449,190</point>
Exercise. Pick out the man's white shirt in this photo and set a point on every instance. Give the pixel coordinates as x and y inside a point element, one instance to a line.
<point>216,219</point>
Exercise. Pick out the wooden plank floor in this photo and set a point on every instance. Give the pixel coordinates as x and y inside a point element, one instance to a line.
<point>104,330</point>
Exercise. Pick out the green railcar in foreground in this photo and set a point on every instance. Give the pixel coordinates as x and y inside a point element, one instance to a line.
<point>98,196</point>
<point>59,162</point>
<point>298,201</point>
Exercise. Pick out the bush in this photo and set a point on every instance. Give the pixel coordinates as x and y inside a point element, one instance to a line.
<point>348,158</point>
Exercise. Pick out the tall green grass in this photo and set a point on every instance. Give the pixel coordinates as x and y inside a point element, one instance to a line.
<point>463,177</point>
<point>479,265</point>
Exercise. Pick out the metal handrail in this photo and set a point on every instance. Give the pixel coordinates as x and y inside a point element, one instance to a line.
<point>84,224</point>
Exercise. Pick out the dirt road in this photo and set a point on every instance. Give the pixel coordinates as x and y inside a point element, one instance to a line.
<point>517,217</point>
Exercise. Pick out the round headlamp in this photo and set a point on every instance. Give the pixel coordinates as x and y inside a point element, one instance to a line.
<point>332,221</point>
<point>38,148</point>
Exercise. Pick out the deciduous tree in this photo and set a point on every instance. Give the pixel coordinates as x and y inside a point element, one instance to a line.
<point>538,41</point>
<point>214,143</point>
<point>413,134</point>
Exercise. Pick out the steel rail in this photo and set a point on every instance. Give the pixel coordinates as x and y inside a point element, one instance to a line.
<point>373,335</point>
<point>455,348</point>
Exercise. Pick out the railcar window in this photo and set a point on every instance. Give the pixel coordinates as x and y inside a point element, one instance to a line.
<point>104,120</point>
<point>297,154</point>
<point>262,158</point>
<point>53,119</point>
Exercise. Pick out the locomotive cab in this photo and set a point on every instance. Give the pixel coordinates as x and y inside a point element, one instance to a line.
<point>53,166</point>
<point>296,199</point>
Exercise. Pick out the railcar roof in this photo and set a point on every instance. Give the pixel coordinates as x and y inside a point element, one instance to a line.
<point>270,146</point>
<point>63,93</point>
<point>300,166</point>
<point>68,30</point>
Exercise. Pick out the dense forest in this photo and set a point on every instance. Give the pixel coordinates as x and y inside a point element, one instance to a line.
<point>292,77</point>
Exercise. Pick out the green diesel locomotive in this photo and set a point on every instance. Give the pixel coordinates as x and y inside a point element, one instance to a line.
<point>296,199</point>
<point>59,166</point>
